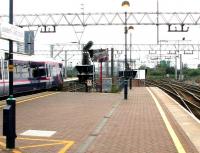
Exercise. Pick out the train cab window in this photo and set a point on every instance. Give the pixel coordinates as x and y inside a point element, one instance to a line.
<point>42,72</point>
<point>39,72</point>
<point>6,70</point>
<point>0,71</point>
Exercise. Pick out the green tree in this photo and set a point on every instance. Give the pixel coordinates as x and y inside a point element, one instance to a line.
<point>142,67</point>
<point>170,70</point>
<point>193,72</point>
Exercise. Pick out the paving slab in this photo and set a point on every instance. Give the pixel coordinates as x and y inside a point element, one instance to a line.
<point>98,123</point>
<point>137,127</point>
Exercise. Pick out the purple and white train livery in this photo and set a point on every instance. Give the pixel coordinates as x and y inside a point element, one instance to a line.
<point>30,73</point>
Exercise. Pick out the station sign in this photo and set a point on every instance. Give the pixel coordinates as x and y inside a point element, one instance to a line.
<point>11,32</point>
<point>100,55</point>
<point>128,73</point>
<point>135,74</point>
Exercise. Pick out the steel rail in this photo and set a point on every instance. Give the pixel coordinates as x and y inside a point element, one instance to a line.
<point>192,108</point>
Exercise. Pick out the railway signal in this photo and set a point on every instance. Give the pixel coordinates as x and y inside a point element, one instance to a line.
<point>86,70</point>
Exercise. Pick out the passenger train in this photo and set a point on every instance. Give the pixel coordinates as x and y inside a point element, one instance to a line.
<point>30,73</point>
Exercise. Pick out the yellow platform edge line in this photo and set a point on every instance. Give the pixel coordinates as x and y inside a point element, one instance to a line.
<point>22,101</point>
<point>172,133</point>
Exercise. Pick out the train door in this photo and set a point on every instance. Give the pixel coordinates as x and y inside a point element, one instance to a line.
<point>34,75</point>
<point>4,84</point>
<point>48,75</point>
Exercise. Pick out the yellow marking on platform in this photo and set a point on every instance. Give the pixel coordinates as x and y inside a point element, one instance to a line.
<point>41,145</point>
<point>66,147</point>
<point>49,140</point>
<point>4,145</point>
<point>172,133</point>
<point>67,144</point>
<point>16,151</point>
<point>22,101</point>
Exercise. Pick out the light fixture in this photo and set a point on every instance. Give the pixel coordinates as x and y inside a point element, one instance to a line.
<point>130,28</point>
<point>125,4</point>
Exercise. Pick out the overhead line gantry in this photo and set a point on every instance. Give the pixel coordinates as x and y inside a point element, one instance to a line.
<point>92,19</point>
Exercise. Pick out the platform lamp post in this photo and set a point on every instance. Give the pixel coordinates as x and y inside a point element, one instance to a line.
<point>125,4</point>
<point>130,28</point>
<point>9,112</point>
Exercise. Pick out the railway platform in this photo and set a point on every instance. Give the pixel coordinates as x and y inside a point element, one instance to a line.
<point>76,122</point>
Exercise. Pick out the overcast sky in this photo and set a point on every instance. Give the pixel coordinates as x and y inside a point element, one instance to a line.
<point>55,6</point>
<point>107,34</point>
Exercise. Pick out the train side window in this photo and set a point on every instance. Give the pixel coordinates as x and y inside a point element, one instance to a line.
<point>17,72</point>
<point>25,72</point>
<point>6,70</point>
<point>0,71</point>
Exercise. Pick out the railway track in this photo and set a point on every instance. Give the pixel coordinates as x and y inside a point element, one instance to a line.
<point>74,88</point>
<point>187,96</point>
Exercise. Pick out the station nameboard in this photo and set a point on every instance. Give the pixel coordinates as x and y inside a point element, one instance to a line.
<point>100,55</point>
<point>11,32</point>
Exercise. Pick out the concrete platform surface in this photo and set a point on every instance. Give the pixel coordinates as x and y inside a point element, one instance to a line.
<point>103,123</point>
